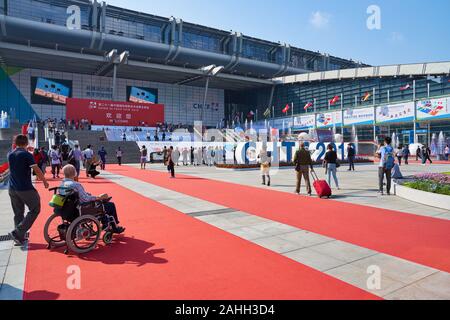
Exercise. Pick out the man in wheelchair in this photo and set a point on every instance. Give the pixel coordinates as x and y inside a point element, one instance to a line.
<point>70,185</point>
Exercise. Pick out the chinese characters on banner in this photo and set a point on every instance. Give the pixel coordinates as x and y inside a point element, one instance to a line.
<point>114,113</point>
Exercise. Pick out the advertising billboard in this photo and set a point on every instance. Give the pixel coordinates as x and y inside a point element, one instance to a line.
<point>142,95</point>
<point>329,119</point>
<point>114,113</point>
<point>359,116</point>
<point>304,122</point>
<point>50,91</point>
<point>433,109</point>
<point>403,112</point>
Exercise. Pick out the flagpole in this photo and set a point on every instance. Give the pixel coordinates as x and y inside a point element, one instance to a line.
<point>342,114</point>
<point>374,92</point>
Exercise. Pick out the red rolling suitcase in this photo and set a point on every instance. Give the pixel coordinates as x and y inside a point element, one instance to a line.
<point>321,186</point>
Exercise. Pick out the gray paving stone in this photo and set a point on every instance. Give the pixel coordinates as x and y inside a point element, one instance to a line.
<point>314,259</point>
<point>4,257</point>
<point>277,244</point>
<point>273,228</point>
<point>247,233</point>
<point>343,251</point>
<point>358,277</point>
<point>305,239</point>
<point>434,287</point>
<point>397,269</point>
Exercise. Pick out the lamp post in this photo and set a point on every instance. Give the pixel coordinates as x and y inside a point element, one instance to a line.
<point>210,71</point>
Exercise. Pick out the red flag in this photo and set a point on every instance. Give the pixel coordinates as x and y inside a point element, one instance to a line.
<point>407,87</point>
<point>287,108</point>
<point>308,105</point>
<point>334,100</point>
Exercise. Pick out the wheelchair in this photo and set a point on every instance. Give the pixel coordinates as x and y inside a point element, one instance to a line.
<point>78,226</point>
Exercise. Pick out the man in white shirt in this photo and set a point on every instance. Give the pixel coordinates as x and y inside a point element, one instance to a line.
<point>88,154</point>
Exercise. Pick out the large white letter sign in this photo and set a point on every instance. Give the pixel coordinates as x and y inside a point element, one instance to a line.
<point>74,20</point>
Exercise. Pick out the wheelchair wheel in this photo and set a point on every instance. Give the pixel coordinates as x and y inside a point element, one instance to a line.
<point>83,234</point>
<point>51,233</point>
<point>108,238</point>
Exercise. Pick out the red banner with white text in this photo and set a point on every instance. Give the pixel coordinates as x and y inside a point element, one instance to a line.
<point>114,113</point>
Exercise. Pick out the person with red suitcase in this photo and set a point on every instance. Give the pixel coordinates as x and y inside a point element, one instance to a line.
<point>303,164</point>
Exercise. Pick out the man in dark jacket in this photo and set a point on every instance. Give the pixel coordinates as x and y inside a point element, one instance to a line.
<point>303,163</point>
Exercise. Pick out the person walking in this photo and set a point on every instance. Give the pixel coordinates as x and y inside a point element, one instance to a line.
<point>387,162</point>
<point>171,162</point>
<point>192,155</point>
<point>55,159</point>
<point>400,155</point>
<point>75,159</point>
<point>45,160</point>
<point>351,154</point>
<point>119,155</point>
<point>446,152</point>
<point>88,155</point>
<point>406,153</point>
<point>102,154</point>
<point>264,161</point>
<point>303,164</point>
<point>144,154</point>
<point>21,190</point>
<point>331,165</point>
<point>418,153</point>
<point>426,155</point>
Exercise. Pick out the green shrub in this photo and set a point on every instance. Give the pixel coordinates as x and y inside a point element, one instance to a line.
<point>429,186</point>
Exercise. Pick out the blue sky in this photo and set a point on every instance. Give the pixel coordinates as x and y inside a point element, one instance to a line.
<point>411,30</point>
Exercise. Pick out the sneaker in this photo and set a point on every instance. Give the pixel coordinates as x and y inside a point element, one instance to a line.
<point>18,241</point>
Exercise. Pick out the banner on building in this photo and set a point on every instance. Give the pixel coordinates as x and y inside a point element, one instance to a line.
<point>395,113</point>
<point>359,116</point>
<point>433,109</point>
<point>114,113</point>
<point>304,122</point>
<point>329,119</point>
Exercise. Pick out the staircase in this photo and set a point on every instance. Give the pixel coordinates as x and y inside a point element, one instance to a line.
<point>98,139</point>
<point>6,139</point>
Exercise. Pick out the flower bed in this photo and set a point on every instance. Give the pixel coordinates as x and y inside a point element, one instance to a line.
<point>438,183</point>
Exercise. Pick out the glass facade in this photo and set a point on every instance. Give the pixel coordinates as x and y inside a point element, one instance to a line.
<point>126,23</point>
<point>386,90</point>
<point>133,29</point>
<point>195,39</point>
<point>51,12</point>
<point>256,51</point>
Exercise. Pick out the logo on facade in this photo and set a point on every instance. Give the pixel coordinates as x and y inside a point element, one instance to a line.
<point>73,22</point>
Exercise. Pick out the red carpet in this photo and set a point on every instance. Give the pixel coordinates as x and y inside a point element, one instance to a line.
<point>168,255</point>
<point>419,239</point>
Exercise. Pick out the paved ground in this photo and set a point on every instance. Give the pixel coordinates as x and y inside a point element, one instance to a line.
<point>345,261</point>
<point>358,187</point>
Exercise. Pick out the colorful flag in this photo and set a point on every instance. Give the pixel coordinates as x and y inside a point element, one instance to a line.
<point>308,105</point>
<point>334,100</point>
<point>407,87</point>
<point>287,108</point>
<point>366,96</point>
<point>267,113</point>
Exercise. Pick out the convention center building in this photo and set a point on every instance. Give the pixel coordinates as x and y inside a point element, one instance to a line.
<point>61,54</point>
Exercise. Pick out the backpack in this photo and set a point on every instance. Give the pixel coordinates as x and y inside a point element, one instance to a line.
<point>389,159</point>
